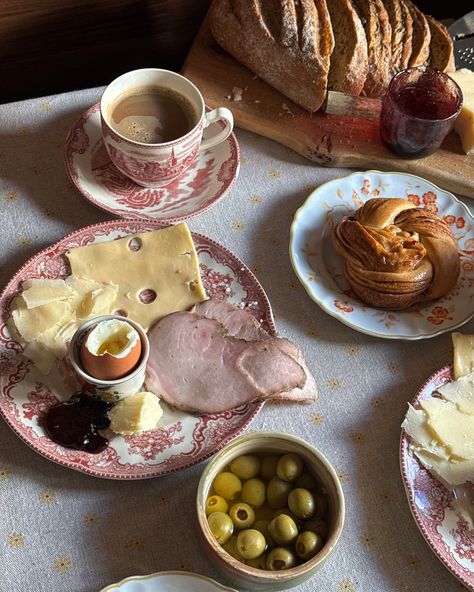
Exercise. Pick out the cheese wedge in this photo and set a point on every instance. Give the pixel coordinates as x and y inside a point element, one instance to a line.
<point>463,354</point>
<point>464,124</point>
<point>135,414</point>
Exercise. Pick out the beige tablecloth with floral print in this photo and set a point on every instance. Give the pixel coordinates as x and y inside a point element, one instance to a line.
<point>63,531</point>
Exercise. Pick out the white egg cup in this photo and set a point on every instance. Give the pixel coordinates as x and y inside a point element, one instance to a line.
<point>111,390</point>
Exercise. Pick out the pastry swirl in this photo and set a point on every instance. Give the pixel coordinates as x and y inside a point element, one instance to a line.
<point>396,254</point>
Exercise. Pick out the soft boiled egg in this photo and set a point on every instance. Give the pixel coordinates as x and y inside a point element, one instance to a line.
<point>111,350</point>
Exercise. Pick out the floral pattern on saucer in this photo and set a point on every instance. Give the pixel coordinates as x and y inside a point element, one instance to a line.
<point>448,534</point>
<point>182,439</point>
<point>205,182</point>
<point>320,269</point>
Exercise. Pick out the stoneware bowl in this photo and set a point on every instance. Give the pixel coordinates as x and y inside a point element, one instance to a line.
<point>245,576</point>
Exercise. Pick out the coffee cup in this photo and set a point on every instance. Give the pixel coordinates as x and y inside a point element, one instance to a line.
<point>153,122</point>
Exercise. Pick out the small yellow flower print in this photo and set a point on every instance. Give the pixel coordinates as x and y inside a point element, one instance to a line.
<point>243,160</point>
<point>346,585</point>
<point>256,199</point>
<point>23,241</point>
<point>386,497</point>
<point>334,383</point>
<point>256,268</point>
<point>134,543</point>
<point>316,419</point>
<point>343,476</point>
<point>4,473</point>
<point>90,519</point>
<point>367,540</point>
<point>292,285</point>
<point>238,225</point>
<point>358,437</point>
<point>47,496</point>
<point>274,174</point>
<point>24,130</point>
<point>47,106</point>
<point>393,367</point>
<point>309,188</point>
<point>352,350</point>
<point>62,564</point>
<point>377,403</point>
<point>16,540</point>
<point>413,562</point>
<point>275,241</point>
<point>313,333</point>
<point>10,196</point>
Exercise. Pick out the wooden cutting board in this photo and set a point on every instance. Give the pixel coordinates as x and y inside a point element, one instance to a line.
<point>327,140</point>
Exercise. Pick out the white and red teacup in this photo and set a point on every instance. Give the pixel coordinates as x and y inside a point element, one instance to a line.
<point>156,159</point>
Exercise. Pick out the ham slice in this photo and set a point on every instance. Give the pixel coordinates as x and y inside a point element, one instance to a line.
<point>197,366</point>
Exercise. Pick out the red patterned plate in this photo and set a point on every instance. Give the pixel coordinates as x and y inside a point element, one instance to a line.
<point>184,439</point>
<point>431,504</point>
<point>206,181</point>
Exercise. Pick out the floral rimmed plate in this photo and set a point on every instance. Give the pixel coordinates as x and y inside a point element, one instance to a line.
<point>205,182</point>
<point>183,439</point>
<point>320,269</point>
<point>448,534</point>
<point>168,581</point>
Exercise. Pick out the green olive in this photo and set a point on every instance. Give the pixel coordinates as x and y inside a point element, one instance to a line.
<point>277,493</point>
<point>221,526</point>
<point>289,467</point>
<point>308,544</point>
<point>280,558</point>
<point>216,503</point>
<point>258,562</point>
<point>321,505</point>
<point>250,543</point>
<point>227,485</point>
<point>318,526</point>
<point>268,468</point>
<point>231,548</point>
<point>242,515</point>
<point>301,503</point>
<point>262,526</point>
<point>253,492</point>
<point>245,466</point>
<point>283,529</point>
<point>307,481</point>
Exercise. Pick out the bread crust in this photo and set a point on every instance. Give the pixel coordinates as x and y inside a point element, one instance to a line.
<point>401,23</point>
<point>441,46</point>
<point>421,36</point>
<point>287,43</point>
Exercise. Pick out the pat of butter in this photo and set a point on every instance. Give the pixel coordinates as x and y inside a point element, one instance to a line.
<point>135,414</point>
<point>464,124</point>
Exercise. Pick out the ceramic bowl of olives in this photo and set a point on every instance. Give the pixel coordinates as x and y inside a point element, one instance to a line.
<point>270,510</point>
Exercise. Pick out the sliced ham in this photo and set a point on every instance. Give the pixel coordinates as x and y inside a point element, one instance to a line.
<point>197,366</point>
<point>243,325</point>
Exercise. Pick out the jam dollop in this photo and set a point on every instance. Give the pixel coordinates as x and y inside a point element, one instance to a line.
<point>75,423</point>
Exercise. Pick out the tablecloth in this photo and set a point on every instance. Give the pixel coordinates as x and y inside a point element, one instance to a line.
<point>64,531</point>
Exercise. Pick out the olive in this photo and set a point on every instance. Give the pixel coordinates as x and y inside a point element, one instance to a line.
<point>289,467</point>
<point>318,526</point>
<point>280,558</point>
<point>277,493</point>
<point>307,481</point>
<point>221,526</point>
<point>216,503</point>
<point>308,544</point>
<point>245,466</point>
<point>253,492</point>
<point>321,505</point>
<point>262,526</point>
<point>268,468</point>
<point>242,515</point>
<point>227,485</point>
<point>258,562</point>
<point>283,529</point>
<point>231,548</point>
<point>301,503</point>
<point>250,543</point>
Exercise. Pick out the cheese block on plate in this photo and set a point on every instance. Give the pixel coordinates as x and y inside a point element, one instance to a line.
<point>464,124</point>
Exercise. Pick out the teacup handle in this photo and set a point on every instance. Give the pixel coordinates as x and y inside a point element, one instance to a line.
<point>221,113</point>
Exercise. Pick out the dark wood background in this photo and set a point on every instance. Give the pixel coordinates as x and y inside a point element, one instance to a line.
<point>51,46</point>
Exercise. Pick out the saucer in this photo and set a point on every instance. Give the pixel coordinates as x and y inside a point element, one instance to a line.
<point>204,183</point>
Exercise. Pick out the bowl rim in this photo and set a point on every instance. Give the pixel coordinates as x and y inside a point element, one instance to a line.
<point>242,569</point>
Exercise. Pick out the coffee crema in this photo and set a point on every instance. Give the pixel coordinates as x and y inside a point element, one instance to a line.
<point>152,115</point>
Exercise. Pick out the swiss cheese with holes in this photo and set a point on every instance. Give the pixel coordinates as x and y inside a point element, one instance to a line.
<point>156,272</point>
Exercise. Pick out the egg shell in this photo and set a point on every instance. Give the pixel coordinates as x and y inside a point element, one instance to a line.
<point>108,366</point>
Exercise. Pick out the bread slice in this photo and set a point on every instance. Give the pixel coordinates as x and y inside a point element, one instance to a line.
<point>441,47</point>
<point>287,43</point>
<point>421,36</point>
<point>401,23</point>
<point>374,18</point>
<point>349,62</point>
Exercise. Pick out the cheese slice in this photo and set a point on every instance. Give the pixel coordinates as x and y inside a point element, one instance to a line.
<point>449,473</point>
<point>36,292</point>
<point>156,272</point>
<point>461,393</point>
<point>464,124</point>
<point>135,414</point>
<point>422,438</point>
<point>463,354</point>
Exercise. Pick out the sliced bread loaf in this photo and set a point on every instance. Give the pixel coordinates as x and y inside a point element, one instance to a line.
<point>287,43</point>
<point>441,46</point>
<point>349,64</point>
<point>401,23</point>
<point>374,18</point>
<point>421,36</point>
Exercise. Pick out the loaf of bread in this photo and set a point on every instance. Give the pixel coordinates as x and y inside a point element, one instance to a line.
<point>397,254</point>
<point>305,47</point>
